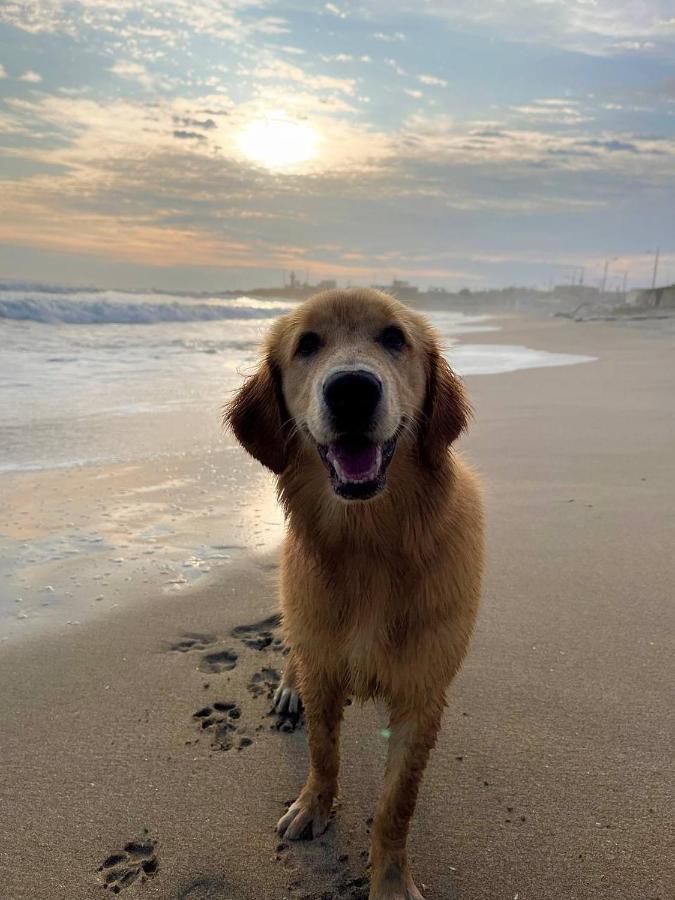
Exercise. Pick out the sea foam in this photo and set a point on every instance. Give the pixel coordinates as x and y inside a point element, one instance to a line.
<point>121,308</point>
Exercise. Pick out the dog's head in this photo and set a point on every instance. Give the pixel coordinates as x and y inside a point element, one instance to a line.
<point>350,375</point>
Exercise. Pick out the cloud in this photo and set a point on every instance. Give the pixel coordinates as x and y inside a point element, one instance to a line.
<point>31,77</point>
<point>488,133</point>
<point>279,70</point>
<point>390,37</point>
<point>149,199</point>
<point>272,25</point>
<point>556,110</point>
<point>129,21</point>
<point>134,71</point>
<point>633,45</point>
<point>344,58</point>
<point>335,10</point>
<point>593,26</point>
<point>91,141</point>
<point>337,57</point>
<point>395,66</point>
<point>3,72</point>
<point>189,135</point>
<point>429,142</point>
<point>433,80</point>
<point>613,146</point>
<point>206,124</point>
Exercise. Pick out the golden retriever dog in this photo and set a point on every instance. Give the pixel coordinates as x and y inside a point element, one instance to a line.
<point>355,410</point>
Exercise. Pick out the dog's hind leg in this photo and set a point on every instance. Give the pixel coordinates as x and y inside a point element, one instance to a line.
<point>286,700</point>
<point>412,735</point>
<point>308,816</point>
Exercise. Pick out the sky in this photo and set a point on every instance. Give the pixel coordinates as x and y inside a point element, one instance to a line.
<point>204,145</point>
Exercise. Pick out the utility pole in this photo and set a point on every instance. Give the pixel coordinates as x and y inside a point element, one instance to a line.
<point>656,268</point>
<point>604,274</point>
<point>625,281</point>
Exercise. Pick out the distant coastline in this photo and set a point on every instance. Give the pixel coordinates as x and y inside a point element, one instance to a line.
<point>576,301</point>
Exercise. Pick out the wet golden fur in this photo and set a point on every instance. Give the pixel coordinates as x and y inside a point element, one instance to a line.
<point>378,597</point>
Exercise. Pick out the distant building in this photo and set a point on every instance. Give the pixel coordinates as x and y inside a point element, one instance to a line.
<point>576,291</point>
<point>328,284</point>
<point>401,289</point>
<point>653,298</point>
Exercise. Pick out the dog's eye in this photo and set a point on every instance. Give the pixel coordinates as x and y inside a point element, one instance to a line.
<point>392,338</point>
<point>308,344</point>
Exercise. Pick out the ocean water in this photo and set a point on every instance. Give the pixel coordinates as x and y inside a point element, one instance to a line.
<point>96,376</point>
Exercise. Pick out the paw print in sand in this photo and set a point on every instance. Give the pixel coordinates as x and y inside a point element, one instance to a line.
<point>221,721</point>
<point>260,635</point>
<point>137,861</point>
<point>191,640</point>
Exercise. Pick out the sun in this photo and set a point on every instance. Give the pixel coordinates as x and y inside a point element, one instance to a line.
<point>279,143</point>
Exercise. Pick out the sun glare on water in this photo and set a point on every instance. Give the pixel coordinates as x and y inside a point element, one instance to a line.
<point>279,143</point>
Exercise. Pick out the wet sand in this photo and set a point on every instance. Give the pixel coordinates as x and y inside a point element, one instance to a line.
<point>145,726</point>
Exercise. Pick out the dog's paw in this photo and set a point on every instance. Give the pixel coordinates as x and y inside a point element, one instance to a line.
<point>402,892</point>
<point>306,818</point>
<point>393,884</point>
<point>286,700</point>
<point>409,893</point>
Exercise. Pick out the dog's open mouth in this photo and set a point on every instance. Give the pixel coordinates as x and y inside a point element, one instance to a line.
<point>357,465</point>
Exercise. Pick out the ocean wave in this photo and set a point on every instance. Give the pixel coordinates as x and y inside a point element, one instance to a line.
<point>120,309</point>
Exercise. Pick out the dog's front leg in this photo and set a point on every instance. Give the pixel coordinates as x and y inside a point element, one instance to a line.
<point>412,735</point>
<point>323,698</point>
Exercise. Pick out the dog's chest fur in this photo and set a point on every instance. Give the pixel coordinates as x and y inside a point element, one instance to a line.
<point>368,610</point>
<point>363,650</point>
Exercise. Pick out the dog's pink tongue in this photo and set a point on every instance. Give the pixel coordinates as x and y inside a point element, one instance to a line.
<point>355,462</point>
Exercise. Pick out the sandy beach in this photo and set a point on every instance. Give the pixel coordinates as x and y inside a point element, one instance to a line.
<point>136,677</point>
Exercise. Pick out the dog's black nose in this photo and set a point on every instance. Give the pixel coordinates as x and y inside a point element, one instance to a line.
<point>352,399</point>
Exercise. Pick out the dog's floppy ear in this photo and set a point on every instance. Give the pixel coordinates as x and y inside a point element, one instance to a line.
<point>446,409</point>
<point>255,416</point>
